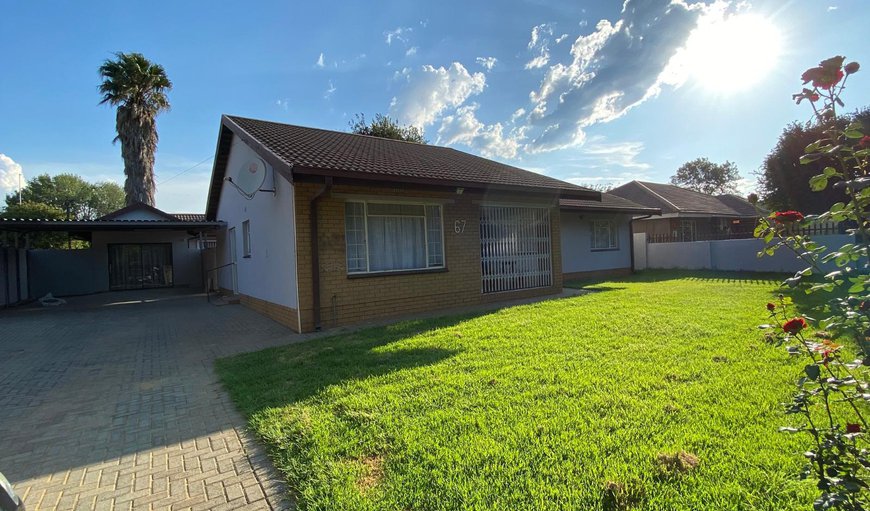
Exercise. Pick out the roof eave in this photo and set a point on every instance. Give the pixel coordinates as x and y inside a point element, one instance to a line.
<point>566,193</point>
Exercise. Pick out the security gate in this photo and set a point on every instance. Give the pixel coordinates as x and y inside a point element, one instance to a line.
<point>139,266</point>
<point>515,249</point>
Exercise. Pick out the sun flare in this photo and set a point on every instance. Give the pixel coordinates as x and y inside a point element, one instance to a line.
<point>734,53</point>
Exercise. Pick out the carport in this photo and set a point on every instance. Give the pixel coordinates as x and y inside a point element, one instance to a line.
<point>137,247</point>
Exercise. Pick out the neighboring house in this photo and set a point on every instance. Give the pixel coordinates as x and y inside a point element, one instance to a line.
<point>597,236</point>
<point>134,247</point>
<point>327,228</point>
<point>688,215</point>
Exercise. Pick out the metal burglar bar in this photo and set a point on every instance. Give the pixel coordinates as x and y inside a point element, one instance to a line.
<point>515,250</point>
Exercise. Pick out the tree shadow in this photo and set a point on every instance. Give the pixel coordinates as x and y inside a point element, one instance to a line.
<point>289,374</point>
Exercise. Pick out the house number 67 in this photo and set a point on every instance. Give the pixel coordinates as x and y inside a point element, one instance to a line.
<point>459,226</point>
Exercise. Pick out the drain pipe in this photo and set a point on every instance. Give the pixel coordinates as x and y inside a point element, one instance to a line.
<point>631,237</point>
<point>315,252</point>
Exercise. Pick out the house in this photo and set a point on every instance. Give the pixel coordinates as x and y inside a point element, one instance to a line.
<point>597,239</point>
<point>328,228</point>
<point>688,215</point>
<point>135,247</point>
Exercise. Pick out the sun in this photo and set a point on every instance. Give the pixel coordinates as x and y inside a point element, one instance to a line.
<point>727,54</point>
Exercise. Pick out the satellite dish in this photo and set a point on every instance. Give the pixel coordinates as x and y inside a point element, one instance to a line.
<point>251,176</point>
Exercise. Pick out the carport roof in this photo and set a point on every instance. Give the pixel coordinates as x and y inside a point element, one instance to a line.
<point>34,225</point>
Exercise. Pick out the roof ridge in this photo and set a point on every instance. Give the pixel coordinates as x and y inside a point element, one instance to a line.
<point>644,185</point>
<point>334,131</point>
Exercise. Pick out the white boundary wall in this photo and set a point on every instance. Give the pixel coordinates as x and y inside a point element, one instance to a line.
<point>724,255</point>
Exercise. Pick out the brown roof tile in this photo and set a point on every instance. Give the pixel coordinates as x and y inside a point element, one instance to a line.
<point>322,152</point>
<point>609,202</point>
<point>674,199</point>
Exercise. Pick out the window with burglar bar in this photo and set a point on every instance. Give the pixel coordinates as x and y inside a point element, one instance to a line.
<point>604,235</point>
<point>515,250</point>
<point>383,237</point>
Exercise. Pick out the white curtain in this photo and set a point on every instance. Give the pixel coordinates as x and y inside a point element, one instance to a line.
<point>396,243</point>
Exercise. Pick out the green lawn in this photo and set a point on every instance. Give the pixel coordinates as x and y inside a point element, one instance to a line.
<point>563,404</point>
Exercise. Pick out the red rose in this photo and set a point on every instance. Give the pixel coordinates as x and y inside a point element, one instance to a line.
<point>788,216</point>
<point>827,74</point>
<point>853,428</point>
<point>852,67</point>
<point>770,306</point>
<point>794,325</point>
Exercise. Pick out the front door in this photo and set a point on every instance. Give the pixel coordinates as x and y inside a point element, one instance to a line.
<point>140,265</point>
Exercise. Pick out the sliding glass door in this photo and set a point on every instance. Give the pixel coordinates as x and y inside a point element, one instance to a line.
<point>140,266</point>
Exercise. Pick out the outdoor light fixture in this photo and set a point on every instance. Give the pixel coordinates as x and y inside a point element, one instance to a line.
<point>459,190</point>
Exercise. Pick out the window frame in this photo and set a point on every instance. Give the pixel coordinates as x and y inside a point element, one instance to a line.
<point>246,239</point>
<point>429,268</point>
<point>614,230</point>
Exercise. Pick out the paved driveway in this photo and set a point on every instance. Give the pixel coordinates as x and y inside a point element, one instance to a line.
<point>111,402</point>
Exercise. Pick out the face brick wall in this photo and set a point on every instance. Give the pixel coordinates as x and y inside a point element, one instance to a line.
<point>352,300</point>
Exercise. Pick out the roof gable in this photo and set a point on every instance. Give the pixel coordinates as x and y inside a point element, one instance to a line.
<point>139,211</point>
<point>296,150</point>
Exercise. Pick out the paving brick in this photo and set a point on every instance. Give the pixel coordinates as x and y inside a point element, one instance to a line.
<point>118,407</point>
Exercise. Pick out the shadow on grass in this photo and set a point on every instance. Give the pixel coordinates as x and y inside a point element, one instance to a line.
<point>289,374</point>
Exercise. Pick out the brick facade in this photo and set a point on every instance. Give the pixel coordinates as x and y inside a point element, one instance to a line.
<point>347,300</point>
<point>287,316</point>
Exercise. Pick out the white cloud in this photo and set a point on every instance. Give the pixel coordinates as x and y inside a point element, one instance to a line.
<point>398,34</point>
<point>487,62</point>
<point>410,52</point>
<point>319,62</point>
<point>616,67</point>
<point>283,104</point>
<point>540,43</point>
<point>561,38</point>
<point>491,141</point>
<point>9,174</point>
<point>330,90</point>
<point>432,90</point>
<point>832,8</point>
<point>596,153</point>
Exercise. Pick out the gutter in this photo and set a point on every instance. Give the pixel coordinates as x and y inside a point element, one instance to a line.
<point>631,237</point>
<point>315,251</point>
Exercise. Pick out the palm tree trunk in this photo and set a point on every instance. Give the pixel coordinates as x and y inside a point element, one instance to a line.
<point>137,132</point>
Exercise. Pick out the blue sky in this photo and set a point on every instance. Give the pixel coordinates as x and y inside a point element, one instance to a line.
<point>590,92</point>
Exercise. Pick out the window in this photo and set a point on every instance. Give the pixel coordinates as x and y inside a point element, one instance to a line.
<point>688,230</point>
<point>514,248</point>
<point>604,235</point>
<point>246,238</point>
<point>393,236</point>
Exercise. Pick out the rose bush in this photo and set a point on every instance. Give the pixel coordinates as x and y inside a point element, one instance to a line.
<point>832,398</point>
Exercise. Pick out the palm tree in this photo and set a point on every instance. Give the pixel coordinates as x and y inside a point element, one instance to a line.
<point>138,88</point>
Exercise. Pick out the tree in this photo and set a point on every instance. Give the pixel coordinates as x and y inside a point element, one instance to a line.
<point>384,127</point>
<point>62,197</point>
<point>39,211</point>
<point>70,194</point>
<point>784,181</point>
<point>704,176</point>
<point>138,88</point>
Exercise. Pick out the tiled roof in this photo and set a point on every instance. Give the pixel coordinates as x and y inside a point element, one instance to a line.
<point>313,151</point>
<point>311,148</point>
<point>673,199</point>
<point>609,202</point>
<point>189,217</point>
<point>738,204</point>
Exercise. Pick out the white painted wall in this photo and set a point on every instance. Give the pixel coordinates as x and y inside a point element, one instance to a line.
<point>270,272</point>
<point>731,255</point>
<point>577,253</point>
